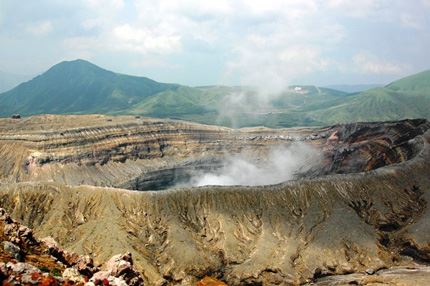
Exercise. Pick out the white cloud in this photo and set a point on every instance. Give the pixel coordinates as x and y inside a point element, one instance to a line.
<point>189,7</point>
<point>154,62</point>
<point>104,4</point>
<point>410,21</point>
<point>291,46</point>
<point>89,24</point>
<point>291,8</point>
<point>104,13</point>
<point>426,2</point>
<point>278,41</point>
<point>128,38</point>
<point>40,28</point>
<point>366,63</point>
<point>272,70</point>
<point>270,44</point>
<point>83,43</point>
<point>359,9</point>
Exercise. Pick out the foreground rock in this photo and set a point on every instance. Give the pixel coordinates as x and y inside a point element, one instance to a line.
<point>119,267</point>
<point>43,262</point>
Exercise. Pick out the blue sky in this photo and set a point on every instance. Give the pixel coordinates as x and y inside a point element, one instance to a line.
<point>269,43</point>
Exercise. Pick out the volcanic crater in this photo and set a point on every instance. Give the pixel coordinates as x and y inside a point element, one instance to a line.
<point>105,185</point>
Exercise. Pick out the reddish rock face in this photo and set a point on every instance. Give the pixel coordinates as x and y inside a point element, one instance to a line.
<point>209,281</point>
<point>49,281</point>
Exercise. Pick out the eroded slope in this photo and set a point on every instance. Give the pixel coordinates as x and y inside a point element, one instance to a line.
<point>287,233</point>
<point>328,223</point>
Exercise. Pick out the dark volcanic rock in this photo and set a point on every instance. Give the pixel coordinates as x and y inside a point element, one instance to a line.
<point>359,147</point>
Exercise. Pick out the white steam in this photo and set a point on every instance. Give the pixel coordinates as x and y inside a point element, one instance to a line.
<point>239,107</point>
<point>282,164</point>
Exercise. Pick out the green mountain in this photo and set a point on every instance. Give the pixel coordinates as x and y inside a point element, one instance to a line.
<point>354,88</point>
<point>417,83</point>
<point>181,102</point>
<point>78,87</point>
<point>406,98</point>
<point>81,87</point>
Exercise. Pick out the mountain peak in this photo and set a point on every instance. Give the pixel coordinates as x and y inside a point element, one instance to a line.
<point>79,70</point>
<point>76,62</point>
<point>78,86</point>
<point>77,65</point>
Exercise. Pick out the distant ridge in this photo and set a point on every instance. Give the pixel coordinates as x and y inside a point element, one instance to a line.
<point>352,88</point>
<point>80,87</point>
<point>408,97</point>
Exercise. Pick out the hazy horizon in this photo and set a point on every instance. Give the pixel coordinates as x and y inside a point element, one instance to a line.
<point>347,87</point>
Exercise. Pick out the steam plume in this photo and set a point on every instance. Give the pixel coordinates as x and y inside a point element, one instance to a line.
<point>282,164</point>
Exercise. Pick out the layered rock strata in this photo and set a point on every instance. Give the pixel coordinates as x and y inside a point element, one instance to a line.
<point>149,154</point>
<point>363,210</point>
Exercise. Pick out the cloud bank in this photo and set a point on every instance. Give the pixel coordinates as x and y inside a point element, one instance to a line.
<point>269,43</point>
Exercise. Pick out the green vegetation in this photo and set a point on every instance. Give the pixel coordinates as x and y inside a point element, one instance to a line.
<point>405,98</point>
<point>179,102</point>
<point>44,269</point>
<point>56,272</point>
<point>80,87</point>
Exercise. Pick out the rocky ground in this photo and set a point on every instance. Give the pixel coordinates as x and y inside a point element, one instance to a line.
<point>359,218</point>
<point>25,260</point>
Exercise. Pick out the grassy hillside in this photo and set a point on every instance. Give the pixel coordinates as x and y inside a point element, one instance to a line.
<point>418,83</point>
<point>78,87</point>
<point>81,87</point>
<point>182,101</point>
<point>406,98</point>
<point>354,88</point>
<point>219,105</point>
